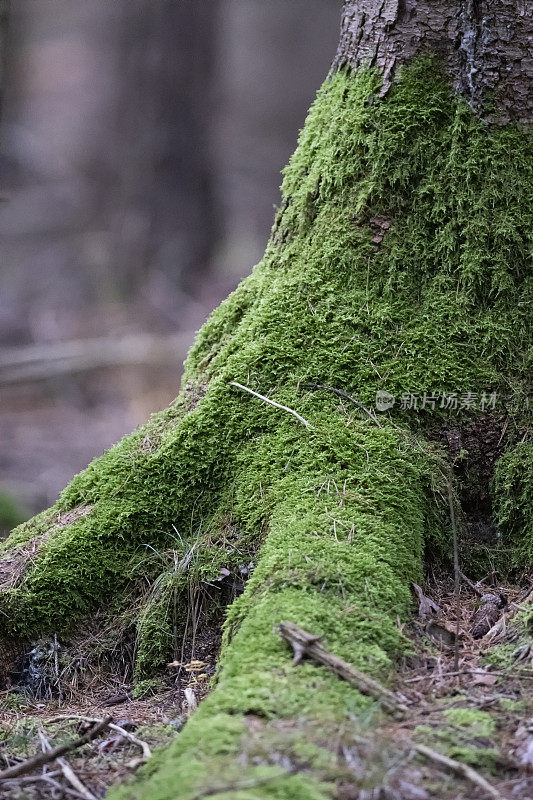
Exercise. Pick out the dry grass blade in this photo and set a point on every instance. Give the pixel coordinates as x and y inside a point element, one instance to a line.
<point>272,402</point>
<point>347,396</point>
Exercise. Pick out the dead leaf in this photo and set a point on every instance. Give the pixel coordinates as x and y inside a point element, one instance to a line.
<point>223,573</point>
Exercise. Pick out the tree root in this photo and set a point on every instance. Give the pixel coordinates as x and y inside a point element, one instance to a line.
<point>305,644</point>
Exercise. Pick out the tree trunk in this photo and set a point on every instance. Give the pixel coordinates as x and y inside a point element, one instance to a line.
<point>4,15</point>
<point>167,218</point>
<point>396,275</point>
<point>486,45</point>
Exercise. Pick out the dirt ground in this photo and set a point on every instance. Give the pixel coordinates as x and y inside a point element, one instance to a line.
<point>469,699</point>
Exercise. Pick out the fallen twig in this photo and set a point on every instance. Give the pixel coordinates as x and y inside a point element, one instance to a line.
<point>514,674</point>
<point>66,769</point>
<point>306,644</point>
<point>147,753</point>
<point>459,768</point>
<point>472,585</point>
<point>272,402</point>
<point>341,393</point>
<point>45,758</point>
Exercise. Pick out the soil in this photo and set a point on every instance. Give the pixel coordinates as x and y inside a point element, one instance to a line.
<point>442,675</point>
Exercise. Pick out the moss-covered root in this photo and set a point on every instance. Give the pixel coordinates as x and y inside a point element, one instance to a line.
<point>400,262</point>
<point>345,541</point>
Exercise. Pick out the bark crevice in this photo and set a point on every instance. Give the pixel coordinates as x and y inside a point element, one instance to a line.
<point>486,46</point>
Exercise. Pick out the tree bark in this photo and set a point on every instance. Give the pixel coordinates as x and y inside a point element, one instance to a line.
<point>4,16</point>
<point>487,45</point>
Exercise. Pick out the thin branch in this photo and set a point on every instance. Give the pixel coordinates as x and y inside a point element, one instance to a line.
<point>437,676</point>
<point>66,769</point>
<point>460,769</point>
<point>45,758</point>
<point>306,644</point>
<point>272,402</point>
<point>341,393</point>
<point>472,585</point>
<point>457,577</point>
<point>147,753</point>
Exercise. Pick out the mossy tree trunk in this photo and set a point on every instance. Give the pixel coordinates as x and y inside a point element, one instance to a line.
<point>398,263</point>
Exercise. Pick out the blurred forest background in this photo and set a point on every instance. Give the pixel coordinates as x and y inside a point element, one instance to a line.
<point>142,143</point>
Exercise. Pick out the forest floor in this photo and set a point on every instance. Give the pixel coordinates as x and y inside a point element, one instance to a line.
<point>469,700</point>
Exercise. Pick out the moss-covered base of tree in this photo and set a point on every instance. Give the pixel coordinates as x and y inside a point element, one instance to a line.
<point>398,262</point>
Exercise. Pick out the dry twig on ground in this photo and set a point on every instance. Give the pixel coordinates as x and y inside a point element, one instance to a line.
<point>46,757</point>
<point>459,768</point>
<point>306,644</point>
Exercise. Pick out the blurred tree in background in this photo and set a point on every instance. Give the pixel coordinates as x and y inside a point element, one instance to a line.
<point>141,147</point>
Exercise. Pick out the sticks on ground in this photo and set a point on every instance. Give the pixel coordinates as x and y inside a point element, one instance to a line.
<point>66,769</point>
<point>45,758</point>
<point>460,769</point>
<point>147,753</point>
<point>305,644</point>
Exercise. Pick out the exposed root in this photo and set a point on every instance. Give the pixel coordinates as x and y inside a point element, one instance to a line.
<point>305,644</point>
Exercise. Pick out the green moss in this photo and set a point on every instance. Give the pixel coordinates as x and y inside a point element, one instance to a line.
<point>11,512</point>
<point>506,704</point>
<point>477,723</point>
<point>30,530</point>
<point>513,495</point>
<point>158,734</point>
<point>148,687</point>
<point>340,511</point>
<point>13,702</point>
<point>465,735</point>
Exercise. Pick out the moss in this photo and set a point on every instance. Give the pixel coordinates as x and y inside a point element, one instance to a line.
<point>477,723</point>
<point>156,735</point>
<point>11,512</point>
<point>513,495</point>
<point>148,687</point>
<point>29,530</point>
<point>466,735</point>
<point>13,702</point>
<point>342,510</point>
<point>517,706</point>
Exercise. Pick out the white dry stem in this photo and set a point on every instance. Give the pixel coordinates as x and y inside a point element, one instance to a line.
<point>272,402</point>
